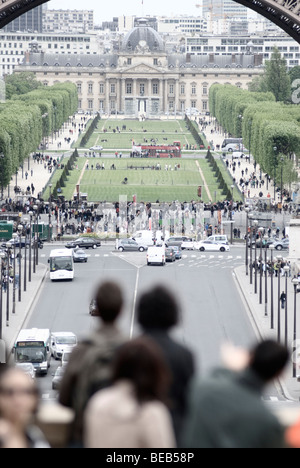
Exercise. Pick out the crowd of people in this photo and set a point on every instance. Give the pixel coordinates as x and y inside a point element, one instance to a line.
<point>145,393</point>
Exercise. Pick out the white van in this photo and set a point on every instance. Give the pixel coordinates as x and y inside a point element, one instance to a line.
<point>156,256</point>
<point>143,237</point>
<point>219,239</point>
<point>232,144</point>
<point>60,342</point>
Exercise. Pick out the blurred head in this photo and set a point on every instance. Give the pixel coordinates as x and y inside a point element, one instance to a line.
<point>109,300</point>
<point>142,363</point>
<point>19,397</point>
<point>158,309</point>
<point>268,360</point>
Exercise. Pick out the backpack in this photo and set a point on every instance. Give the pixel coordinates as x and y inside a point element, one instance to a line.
<point>95,370</point>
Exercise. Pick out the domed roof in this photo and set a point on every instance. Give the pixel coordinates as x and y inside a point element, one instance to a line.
<point>143,37</point>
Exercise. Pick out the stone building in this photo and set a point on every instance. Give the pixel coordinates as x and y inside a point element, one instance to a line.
<point>142,78</point>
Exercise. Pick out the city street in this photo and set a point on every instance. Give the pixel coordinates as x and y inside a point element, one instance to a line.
<point>213,311</point>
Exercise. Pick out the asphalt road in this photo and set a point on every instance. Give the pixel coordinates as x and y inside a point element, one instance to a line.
<point>213,311</point>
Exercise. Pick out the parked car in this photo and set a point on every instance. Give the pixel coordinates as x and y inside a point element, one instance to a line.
<point>238,155</point>
<point>129,245</point>
<point>209,246</point>
<point>176,241</point>
<point>57,379</point>
<point>84,243</point>
<point>96,148</point>
<point>79,256</point>
<point>284,244</point>
<point>178,253</point>
<point>170,255</point>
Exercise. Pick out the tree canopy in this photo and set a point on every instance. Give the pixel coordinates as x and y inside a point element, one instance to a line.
<point>27,118</point>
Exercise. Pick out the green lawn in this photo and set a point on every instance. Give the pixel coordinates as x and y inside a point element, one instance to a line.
<point>148,185</point>
<point>164,132</point>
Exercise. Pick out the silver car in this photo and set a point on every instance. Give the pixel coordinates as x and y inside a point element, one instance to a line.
<point>284,244</point>
<point>129,245</point>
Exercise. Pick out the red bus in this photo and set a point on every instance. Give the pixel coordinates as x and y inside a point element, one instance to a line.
<point>161,151</point>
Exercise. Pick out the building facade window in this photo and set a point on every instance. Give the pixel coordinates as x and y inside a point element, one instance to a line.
<point>171,89</point>
<point>128,88</point>
<point>182,89</point>
<point>155,88</point>
<point>91,104</point>
<point>79,88</point>
<point>101,88</point>
<point>194,89</point>
<point>113,88</point>
<point>142,89</point>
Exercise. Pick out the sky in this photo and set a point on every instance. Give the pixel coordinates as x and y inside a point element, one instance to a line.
<point>106,10</point>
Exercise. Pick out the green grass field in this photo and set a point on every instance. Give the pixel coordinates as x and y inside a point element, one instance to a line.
<point>148,185</point>
<point>164,132</point>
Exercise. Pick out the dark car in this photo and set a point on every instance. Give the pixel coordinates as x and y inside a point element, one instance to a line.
<point>170,255</point>
<point>265,243</point>
<point>79,256</point>
<point>84,243</point>
<point>176,241</point>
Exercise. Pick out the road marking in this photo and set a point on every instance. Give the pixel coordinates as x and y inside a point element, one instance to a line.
<point>134,303</point>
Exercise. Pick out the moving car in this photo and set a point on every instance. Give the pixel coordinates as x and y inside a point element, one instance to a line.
<point>84,243</point>
<point>60,342</point>
<point>209,246</point>
<point>178,253</point>
<point>80,256</point>
<point>156,256</point>
<point>170,255</point>
<point>129,245</point>
<point>57,379</point>
<point>176,241</point>
<point>284,244</point>
<point>189,244</point>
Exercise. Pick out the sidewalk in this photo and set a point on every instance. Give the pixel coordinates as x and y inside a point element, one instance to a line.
<point>290,386</point>
<point>242,171</point>
<point>41,176</point>
<point>17,321</point>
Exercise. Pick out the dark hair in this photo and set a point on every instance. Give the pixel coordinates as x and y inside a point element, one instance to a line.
<point>109,301</point>
<point>269,360</point>
<point>141,362</point>
<point>158,309</point>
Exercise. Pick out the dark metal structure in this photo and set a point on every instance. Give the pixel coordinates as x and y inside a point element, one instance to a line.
<point>284,13</point>
<point>12,9</point>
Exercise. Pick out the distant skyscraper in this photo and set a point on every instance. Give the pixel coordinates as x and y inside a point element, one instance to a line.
<point>224,9</point>
<point>30,21</point>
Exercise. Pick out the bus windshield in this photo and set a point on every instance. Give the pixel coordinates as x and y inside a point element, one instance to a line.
<point>61,264</point>
<point>33,355</point>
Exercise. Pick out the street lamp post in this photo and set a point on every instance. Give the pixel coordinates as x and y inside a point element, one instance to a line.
<point>251,238</point>
<point>261,230</point>
<point>20,230</point>
<point>275,164</point>
<point>272,248</point>
<point>50,210</point>
<point>30,246</point>
<point>295,283</point>
<point>286,274</point>
<point>2,257</point>
<point>255,282</point>
<point>247,240</point>
<point>266,279</point>
<point>231,218</point>
<point>25,256</point>
<point>8,246</point>
<point>279,260</point>
<point>15,236</point>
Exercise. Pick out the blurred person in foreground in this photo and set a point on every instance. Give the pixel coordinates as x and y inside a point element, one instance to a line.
<point>158,313</point>
<point>19,400</point>
<point>133,413</point>
<point>90,367</point>
<point>226,409</point>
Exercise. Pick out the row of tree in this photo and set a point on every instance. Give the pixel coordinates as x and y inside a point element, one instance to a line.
<point>28,118</point>
<point>270,129</point>
<point>218,173</point>
<point>92,127</point>
<point>64,175</point>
